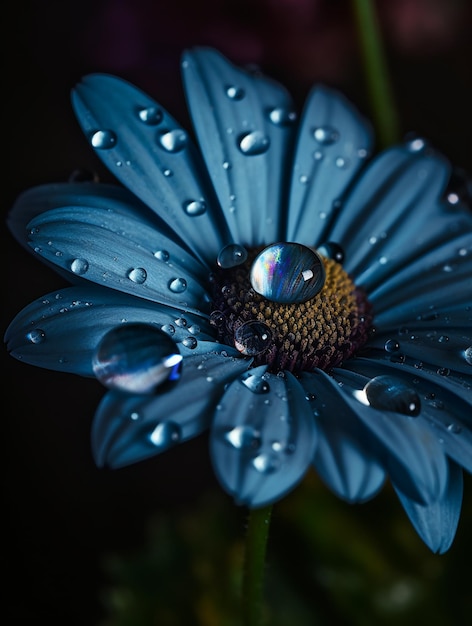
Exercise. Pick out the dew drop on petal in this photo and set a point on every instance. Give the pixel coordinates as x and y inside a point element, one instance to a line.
<point>255,383</point>
<point>136,358</point>
<point>217,319</point>
<point>282,117</point>
<point>168,328</point>
<point>79,266</point>
<point>252,338</point>
<point>332,250</point>
<point>36,336</point>
<point>194,207</point>
<point>190,343</point>
<point>235,93</point>
<point>165,434</point>
<point>152,116</point>
<point>243,437</point>
<point>391,394</point>
<point>391,346</point>
<point>231,255</point>
<point>137,275</point>
<point>177,285</point>
<point>266,463</point>
<point>173,140</point>
<point>103,139</point>
<point>162,255</point>
<point>326,135</point>
<point>254,143</point>
<point>287,273</point>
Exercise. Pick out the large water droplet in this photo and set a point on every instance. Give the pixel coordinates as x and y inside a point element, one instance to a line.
<point>165,434</point>
<point>152,116</point>
<point>177,285</point>
<point>231,255</point>
<point>36,336</point>
<point>332,250</point>
<point>391,394</point>
<point>136,358</point>
<point>252,338</point>
<point>243,437</point>
<point>137,275</point>
<point>255,383</point>
<point>194,207</point>
<point>287,273</point>
<point>79,266</point>
<point>173,140</point>
<point>254,143</point>
<point>326,135</point>
<point>103,139</point>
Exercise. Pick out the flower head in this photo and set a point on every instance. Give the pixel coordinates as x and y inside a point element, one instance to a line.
<point>307,304</point>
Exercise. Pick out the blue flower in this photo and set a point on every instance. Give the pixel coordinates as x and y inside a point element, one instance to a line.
<point>307,304</point>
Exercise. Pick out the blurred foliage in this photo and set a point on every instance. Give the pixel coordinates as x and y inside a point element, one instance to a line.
<point>328,563</point>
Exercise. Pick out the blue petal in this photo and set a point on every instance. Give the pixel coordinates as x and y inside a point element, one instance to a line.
<point>119,252</point>
<point>262,438</point>
<point>153,157</point>
<point>62,330</point>
<point>332,145</point>
<point>129,428</point>
<point>342,459</point>
<point>409,452</point>
<point>437,523</point>
<point>446,406</point>
<point>244,125</point>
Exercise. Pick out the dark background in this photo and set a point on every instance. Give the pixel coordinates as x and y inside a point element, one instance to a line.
<point>62,515</point>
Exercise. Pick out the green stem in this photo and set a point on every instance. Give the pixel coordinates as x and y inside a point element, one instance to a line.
<point>377,76</point>
<point>254,565</point>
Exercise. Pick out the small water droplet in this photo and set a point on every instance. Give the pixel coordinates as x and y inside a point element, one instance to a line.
<point>317,155</point>
<point>266,463</point>
<point>391,345</point>
<point>79,266</point>
<point>443,371</point>
<point>103,139</point>
<point>287,273</point>
<point>417,144</point>
<point>177,285</point>
<point>136,358</point>
<point>252,338</point>
<point>152,115</point>
<point>217,319</point>
<point>137,275</point>
<point>162,255</point>
<point>468,355</point>
<point>243,437</point>
<point>181,322</point>
<point>167,172</point>
<point>165,434</point>
<point>454,428</point>
<point>168,328</point>
<point>254,143</point>
<point>226,165</point>
<point>190,343</point>
<point>341,162</point>
<point>332,250</point>
<point>303,179</point>
<point>173,140</point>
<point>36,336</point>
<point>194,329</point>
<point>443,339</point>
<point>231,255</point>
<point>326,135</point>
<point>195,207</point>
<point>282,117</point>
<point>235,93</point>
<point>255,383</point>
<point>392,394</point>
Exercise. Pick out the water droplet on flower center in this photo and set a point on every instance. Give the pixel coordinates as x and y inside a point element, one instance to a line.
<point>252,338</point>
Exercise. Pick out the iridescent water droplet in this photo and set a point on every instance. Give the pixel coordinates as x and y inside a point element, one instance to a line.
<point>190,343</point>
<point>326,135</point>
<point>231,255</point>
<point>177,285</point>
<point>392,394</point>
<point>137,275</point>
<point>79,266</point>
<point>287,273</point>
<point>252,338</point>
<point>282,117</point>
<point>254,143</point>
<point>243,437</point>
<point>173,140</point>
<point>36,336</point>
<point>152,115</point>
<point>162,255</point>
<point>468,355</point>
<point>136,358</point>
<point>332,250</point>
<point>103,139</point>
<point>235,93</point>
<point>255,383</point>
<point>165,434</point>
<point>194,207</point>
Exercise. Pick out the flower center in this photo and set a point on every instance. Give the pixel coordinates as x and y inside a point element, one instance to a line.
<point>322,331</point>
